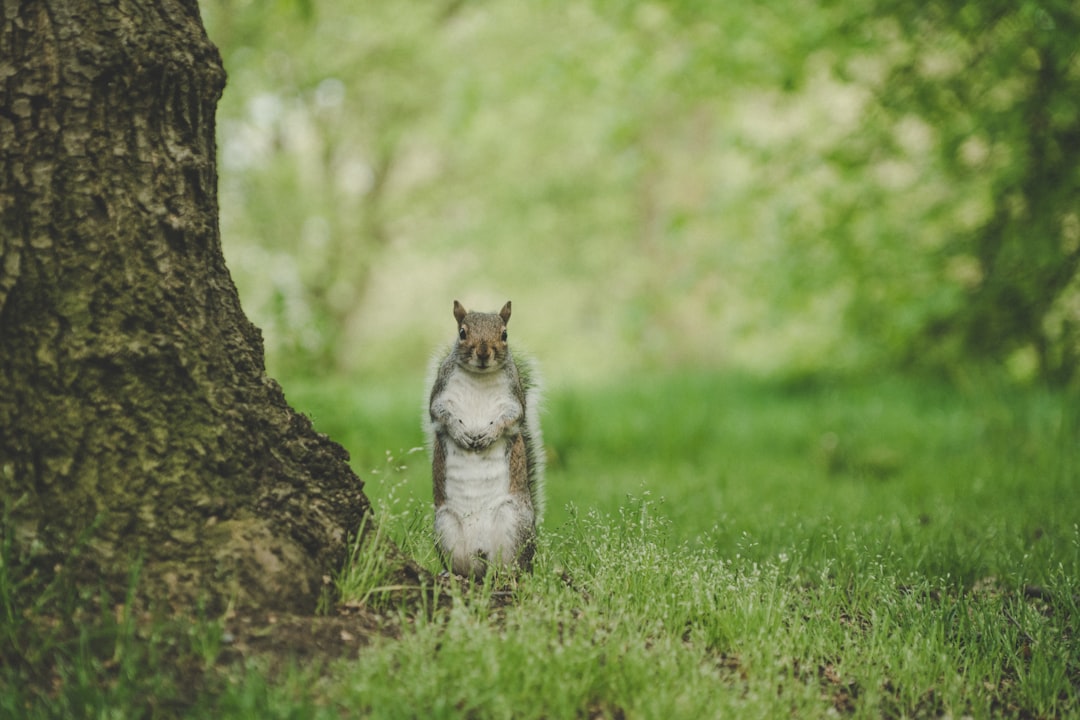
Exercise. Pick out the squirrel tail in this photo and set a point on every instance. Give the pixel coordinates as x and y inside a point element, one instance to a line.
<point>435,363</point>
<point>535,459</point>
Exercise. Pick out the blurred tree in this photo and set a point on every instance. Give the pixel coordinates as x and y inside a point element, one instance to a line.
<point>946,216</point>
<point>818,184</point>
<point>998,84</point>
<point>137,425</point>
<point>313,130</point>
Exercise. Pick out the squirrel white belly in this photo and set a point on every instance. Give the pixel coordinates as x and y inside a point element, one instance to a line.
<point>487,455</point>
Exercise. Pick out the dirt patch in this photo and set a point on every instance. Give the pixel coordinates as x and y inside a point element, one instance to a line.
<point>305,638</point>
<point>341,633</point>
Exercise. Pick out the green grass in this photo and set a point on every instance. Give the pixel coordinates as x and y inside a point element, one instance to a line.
<point>874,548</point>
<point>715,546</point>
<point>970,479</point>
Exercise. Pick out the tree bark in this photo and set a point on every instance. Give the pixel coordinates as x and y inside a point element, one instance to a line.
<point>138,428</point>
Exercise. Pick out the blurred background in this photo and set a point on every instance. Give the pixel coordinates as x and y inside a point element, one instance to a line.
<point>779,261</point>
<point>787,187</point>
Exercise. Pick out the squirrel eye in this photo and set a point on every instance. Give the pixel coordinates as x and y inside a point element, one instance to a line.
<point>461,333</point>
<point>504,336</point>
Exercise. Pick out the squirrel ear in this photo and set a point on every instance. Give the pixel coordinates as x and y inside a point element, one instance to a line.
<point>459,312</point>
<point>505,313</point>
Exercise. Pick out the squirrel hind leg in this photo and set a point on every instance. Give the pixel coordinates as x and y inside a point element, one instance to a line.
<point>526,554</point>
<point>479,565</point>
<point>473,566</point>
<point>450,541</point>
<point>459,562</point>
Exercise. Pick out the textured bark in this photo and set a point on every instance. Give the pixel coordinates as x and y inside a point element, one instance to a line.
<point>137,425</point>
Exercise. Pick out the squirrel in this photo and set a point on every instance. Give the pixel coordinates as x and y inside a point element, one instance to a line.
<point>487,453</point>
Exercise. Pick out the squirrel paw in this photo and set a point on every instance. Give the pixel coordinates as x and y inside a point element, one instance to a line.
<point>484,438</point>
<point>460,435</point>
<point>479,442</point>
<point>472,440</point>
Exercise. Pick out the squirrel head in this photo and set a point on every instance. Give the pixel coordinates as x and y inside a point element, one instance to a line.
<point>481,345</point>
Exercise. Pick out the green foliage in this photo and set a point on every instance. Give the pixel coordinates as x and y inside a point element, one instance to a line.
<point>798,187</point>
<point>992,89</point>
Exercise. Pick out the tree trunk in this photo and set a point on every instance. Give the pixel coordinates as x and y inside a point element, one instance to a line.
<point>138,428</point>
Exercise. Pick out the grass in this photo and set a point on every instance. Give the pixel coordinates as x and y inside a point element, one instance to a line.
<point>752,465</point>
<point>874,548</point>
<point>715,546</point>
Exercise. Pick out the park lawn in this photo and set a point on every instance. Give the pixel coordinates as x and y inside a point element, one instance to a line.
<point>731,546</point>
<point>714,546</point>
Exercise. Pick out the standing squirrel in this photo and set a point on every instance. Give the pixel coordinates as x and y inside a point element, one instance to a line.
<point>487,454</point>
